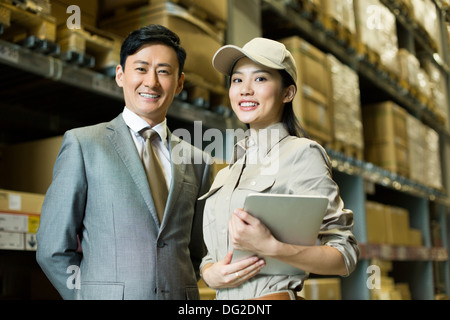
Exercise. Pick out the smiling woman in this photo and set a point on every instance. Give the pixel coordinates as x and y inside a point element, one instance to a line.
<point>263,84</point>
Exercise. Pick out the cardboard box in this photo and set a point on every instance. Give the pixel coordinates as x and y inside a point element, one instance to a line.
<point>415,237</point>
<point>28,166</point>
<point>18,222</point>
<point>345,104</point>
<point>322,289</point>
<point>312,101</point>
<point>433,172</point>
<point>397,226</point>
<point>417,149</point>
<point>18,241</point>
<point>216,9</point>
<point>385,137</point>
<point>88,8</point>
<point>12,241</point>
<point>376,223</point>
<point>376,29</point>
<point>200,39</point>
<point>25,202</point>
<point>341,11</point>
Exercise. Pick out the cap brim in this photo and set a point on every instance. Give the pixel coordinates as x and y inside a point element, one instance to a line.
<point>225,58</point>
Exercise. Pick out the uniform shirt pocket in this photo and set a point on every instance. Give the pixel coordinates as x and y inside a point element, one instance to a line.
<point>257,183</point>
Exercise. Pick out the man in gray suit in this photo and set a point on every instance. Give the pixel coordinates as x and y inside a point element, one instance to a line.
<point>100,193</point>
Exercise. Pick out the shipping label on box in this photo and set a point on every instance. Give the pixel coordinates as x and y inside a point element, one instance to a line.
<point>13,222</point>
<point>12,241</point>
<point>16,222</point>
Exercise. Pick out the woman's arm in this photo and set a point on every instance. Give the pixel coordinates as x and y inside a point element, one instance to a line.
<point>224,274</point>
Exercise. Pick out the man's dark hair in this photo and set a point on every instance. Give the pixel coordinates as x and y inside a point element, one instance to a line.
<point>153,33</point>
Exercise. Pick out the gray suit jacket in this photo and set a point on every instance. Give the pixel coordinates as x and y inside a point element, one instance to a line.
<point>100,193</point>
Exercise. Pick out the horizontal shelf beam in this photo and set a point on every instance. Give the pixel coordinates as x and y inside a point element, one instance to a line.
<point>402,253</point>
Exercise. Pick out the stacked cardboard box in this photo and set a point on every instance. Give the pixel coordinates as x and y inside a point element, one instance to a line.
<point>437,89</point>
<point>311,103</point>
<point>200,38</point>
<point>322,289</point>
<point>409,67</point>
<point>385,137</point>
<point>376,29</point>
<point>433,172</point>
<point>383,286</point>
<point>390,225</point>
<point>425,13</point>
<point>424,154</point>
<point>28,166</point>
<point>89,11</point>
<point>417,149</point>
<point>19,219</point>
<point>345,105</point>
<point>339,16</point>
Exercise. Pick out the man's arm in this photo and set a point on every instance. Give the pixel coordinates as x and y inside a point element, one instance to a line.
<point>61,219</point>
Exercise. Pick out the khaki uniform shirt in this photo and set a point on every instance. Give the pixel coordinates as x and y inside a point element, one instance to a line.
<point>275,162</point>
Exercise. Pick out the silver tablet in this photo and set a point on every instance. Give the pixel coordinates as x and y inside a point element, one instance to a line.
<point>292,219</point>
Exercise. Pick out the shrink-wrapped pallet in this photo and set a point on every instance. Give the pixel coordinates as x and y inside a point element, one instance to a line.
<point>433,172</point>
<point>376,29</point>
<point>417,148</point>
<point>345,104</point>
<point>311,103</point>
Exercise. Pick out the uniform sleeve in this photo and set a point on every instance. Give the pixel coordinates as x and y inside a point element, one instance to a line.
<point>313,166</point>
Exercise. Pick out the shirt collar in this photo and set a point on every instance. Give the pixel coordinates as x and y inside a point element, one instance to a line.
<point>264,140</point>
<point>136,124</point>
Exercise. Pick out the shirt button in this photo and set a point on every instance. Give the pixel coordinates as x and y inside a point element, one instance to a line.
<point>161,244</point>
<point>253,183</point>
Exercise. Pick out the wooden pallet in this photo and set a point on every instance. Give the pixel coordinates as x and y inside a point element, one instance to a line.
<point>343,36</point>
<point>90,47</point>
<point>347,149</point>
<point>306,8</point>
<point>368,54</point>
<point>36,31</point>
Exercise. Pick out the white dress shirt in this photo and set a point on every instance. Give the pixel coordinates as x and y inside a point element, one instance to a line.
<point>161,147</point>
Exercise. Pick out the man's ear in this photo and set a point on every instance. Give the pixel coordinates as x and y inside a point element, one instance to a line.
<point>119,75</point>
<point>290,94</point>
<point>180,83</point>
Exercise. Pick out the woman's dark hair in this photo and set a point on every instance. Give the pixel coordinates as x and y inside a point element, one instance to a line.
<point>289,118</point>
<point>150,34</point>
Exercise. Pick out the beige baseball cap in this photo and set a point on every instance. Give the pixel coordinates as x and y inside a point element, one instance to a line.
<point>270,53</point>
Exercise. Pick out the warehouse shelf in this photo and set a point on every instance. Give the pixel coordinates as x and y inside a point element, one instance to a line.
<point>73,92</point>
<point>55,69</point>
<point>373,174</point>
<point>402,253</point>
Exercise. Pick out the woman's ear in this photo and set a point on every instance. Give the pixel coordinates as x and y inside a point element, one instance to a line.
<point>290,93</point>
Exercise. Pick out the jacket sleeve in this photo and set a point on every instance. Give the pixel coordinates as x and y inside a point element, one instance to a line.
<point>61,219</point>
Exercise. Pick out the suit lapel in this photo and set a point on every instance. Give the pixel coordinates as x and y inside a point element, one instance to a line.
<point>123,143</point>
<point>178,160</point>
